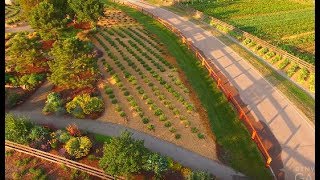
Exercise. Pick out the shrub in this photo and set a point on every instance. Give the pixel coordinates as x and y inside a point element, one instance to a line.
<point>200,136</point>
<point>293,68</point>
<point>270,55</point>
<point>157,164</point>
<point>177,136</point>
<point>63,136</point>
<point>123,155</point>
<point>312,82</point>
<point>163,117</point>
<point>194,130</point>
<point>151,127</point>
<point>78,146</point>
<point>31,80</point>
<point>114,101</point>
<point>108,90</point>
<point>304,73</point>
<point>38,132</point>
<point>190,107</point>
<point>73,130</point>
<point>17,129</point>
<point>186,172</point>
<point>145,120</point>
<point>83,105</point>
<point>158,112</point>
<point>276,59</point>
<point>111,96</point>
<point>176,111</point>
<point>283,64</point>
<point>126,93</point>
<point>118,108</point>
<point>167,124</point>
<point>122,113</point>
<point>53,104</point>
<point>200,175</point>
<point>144,96</point>
<point>263,51</point>
<point>141,91</point>
<point>172,129</point>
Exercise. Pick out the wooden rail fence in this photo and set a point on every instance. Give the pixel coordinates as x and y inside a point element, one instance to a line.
<point>59,160</point>
<point>218,78</point>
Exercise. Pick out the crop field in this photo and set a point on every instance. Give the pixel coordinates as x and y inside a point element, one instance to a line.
<point>143,90</point>
<point>286,24</point>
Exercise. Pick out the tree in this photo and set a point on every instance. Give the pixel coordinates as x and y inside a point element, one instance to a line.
<point>54,103</point>
<point>78,146</point>
<point>47,19</point>
<point>157,163</point>
<point>23,52</point>
<point>17,129</point>
<point>28,5</point>
<point>123,155</point>
<point>86,10</point>
<point>72,66</point>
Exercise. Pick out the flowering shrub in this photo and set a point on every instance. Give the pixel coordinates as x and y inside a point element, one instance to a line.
<point>78,146</point>
<point>53,103</point>
<point>84,105</point>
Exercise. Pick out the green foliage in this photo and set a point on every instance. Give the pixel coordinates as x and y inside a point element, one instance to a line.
<point>157,164</point>
<point>123,155</point>
<point>38,132</point>
<point>73,66</point>
<point>62,136</point>
<point>31,80</point>
<point>53,103</point>
<point>17,129</point>
<point>13,99</point>
<point>200,175</point>
<point>167,124</point>
<point>23,52</point>
<point>312,82</point>
<point>303,74</point>
<point>78,146</point>
<point>284,63</point>
<point>84,104</point>
<point>200,136</point>
<point>86,10</point>
<point>151,127</point>
<point>46,20</point>
<point>292,69</point>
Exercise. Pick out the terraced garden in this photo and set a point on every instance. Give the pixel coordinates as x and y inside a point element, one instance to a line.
<point>144,91</point>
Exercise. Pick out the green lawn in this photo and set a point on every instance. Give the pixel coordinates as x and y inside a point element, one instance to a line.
<point>230,133</point>
<point>286,23</point>
<point>102,138</point>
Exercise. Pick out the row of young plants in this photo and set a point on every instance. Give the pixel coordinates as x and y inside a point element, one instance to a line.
<point>157,56</point>
<point>170,89</point>
<point>155,75</point>
<point>133,80</point>
<point>121,155</point>
<point>160,96</point>
<point>152,52</point>
<point>303,73</point>
<point>131,100</point>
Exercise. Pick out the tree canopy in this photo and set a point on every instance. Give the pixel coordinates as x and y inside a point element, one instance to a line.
<point>123,155</point>
<point>47,20</point>
<point>86,10</point>
<point>23,52</point>
<point>73,65</point>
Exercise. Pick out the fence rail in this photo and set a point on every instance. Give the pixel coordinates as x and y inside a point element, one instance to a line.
<point>218,78</point>
<point>59,160</point>
<point>275,49</point>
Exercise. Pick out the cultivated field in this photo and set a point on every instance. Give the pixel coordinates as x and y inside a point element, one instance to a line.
<point>143,90</point>
<point>287,24</point>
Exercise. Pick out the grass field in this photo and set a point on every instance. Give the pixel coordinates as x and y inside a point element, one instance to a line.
<point>230,133</point>
<point>288,24</point>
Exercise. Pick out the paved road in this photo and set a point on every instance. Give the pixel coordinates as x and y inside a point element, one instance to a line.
<point>293,144</point>
<point>179,154</point>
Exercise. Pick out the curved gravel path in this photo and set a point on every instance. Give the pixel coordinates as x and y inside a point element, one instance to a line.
<point>179,154</point>
<point>288,134</point>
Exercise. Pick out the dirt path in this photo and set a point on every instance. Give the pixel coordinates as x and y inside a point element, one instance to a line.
<point>185,157</point>
<point>286,131</point>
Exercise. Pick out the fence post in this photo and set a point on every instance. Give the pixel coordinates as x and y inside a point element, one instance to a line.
<point>229,96</point>
<point>241,114</point>
<point>254,133</point>
<point>268,162</point>
<point>219,83</point>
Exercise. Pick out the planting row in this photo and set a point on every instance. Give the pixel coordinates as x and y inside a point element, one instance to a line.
<point>157,94</point>
<point>284,64</point>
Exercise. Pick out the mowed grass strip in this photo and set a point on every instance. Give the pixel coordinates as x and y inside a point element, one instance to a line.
<point>231,134</point>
